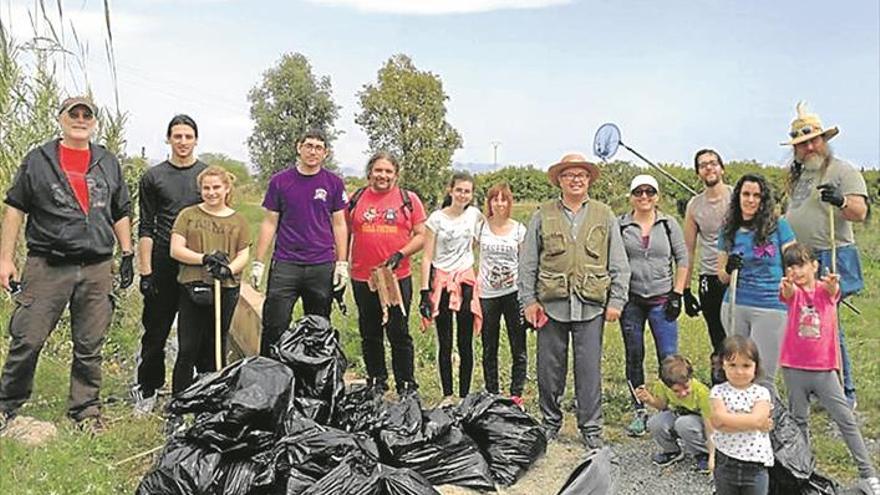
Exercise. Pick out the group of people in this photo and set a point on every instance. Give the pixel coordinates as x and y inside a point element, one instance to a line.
<point>769,286</point>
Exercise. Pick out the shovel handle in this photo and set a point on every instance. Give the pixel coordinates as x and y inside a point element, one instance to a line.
<point>218,347</point>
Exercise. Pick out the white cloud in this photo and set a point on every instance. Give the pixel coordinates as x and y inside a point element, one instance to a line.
<point>434,7</point>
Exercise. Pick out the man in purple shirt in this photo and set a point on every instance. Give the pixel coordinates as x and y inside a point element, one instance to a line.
<point>305,214</point>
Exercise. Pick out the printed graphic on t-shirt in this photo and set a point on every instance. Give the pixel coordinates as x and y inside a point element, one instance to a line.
<point>321,193</point>
<point>802,190</point>
<point>809,323</point>
<point>501,277</point>
<point>374,223</point>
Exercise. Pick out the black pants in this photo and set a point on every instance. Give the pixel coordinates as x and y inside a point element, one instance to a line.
<point>397,329</point>
<point>157,318</point>
<point>195,336</point>
<point>287,283</point>
<point>711,296</point>
<point>493,308</point>
<point>464,320</point>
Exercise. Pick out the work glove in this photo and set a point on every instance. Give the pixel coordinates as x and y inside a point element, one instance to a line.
<point>394,260</point>
<point>257,268</point>
<point>339,296</point>
<point>734,262</point>
<point>691,305</point>
<point>426,309</point>
<point>523,322</point>
<point>831,194</point>
<point>147,286</point>
<point>217,263</point>
<point>126,270</point>
<point>672,308</point>
<point>340,275</point>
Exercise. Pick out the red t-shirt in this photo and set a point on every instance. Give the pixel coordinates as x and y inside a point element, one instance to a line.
<point>75,164</point>
<point>381,225</point>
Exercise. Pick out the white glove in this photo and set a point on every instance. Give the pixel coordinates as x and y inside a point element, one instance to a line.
<point>340,275</point>
<point>257,268</point>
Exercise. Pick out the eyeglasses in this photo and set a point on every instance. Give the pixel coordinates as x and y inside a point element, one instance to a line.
<point>77,113</point>
<point>570,176</point>
<point>644,191</point>
<point>319,148</point>
<point>707,164</point>
<point>804,131</point>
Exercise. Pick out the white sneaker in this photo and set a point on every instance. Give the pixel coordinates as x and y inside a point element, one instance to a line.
<point>143,405</point>
<point>870,485</point>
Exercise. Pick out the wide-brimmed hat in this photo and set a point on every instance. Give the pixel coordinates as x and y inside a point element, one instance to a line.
<point>76,101</point>
<point>572,160</point>
<point>806,126</point>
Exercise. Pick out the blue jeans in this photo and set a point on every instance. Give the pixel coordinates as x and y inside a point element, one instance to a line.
<point>632,326</point>
<point>735,477</point>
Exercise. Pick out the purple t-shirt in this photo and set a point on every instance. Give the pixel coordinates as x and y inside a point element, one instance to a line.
<point>305,204</point>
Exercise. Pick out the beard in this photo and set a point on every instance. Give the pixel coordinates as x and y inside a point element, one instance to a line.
<point>712,182</point>
<point>816,160</point>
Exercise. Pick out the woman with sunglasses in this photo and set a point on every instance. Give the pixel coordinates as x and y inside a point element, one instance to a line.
<point>658,259</point>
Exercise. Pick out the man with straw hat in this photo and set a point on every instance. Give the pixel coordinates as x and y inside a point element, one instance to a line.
<point>822,186</point>
<point>574,275</point>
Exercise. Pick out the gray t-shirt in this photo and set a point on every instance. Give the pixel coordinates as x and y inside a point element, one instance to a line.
<point>499,260</point>
<point>454,238</point>
<point>808,215</point>
<point>709,217</point>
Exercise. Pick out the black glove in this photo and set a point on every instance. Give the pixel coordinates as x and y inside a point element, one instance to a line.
<point>426,309</point>
<point>126,270</point>
<point>148,286</point>
<point>339,296</point>
<point>394,260</point>
<point>672,308</point>
<point>217,263</point>
<point>831,194</point>
<point>734,262</point>
<point>691,305</point>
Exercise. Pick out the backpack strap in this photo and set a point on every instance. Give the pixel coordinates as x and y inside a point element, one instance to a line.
<point>404,198</point>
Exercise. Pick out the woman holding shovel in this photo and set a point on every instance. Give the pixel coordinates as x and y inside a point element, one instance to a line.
<point>202,237</point>
<point>750,247</point>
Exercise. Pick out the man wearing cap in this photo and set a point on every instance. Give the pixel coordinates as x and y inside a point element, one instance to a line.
<point>822,186</point>
<point>305,205</point>
<point>573,277</point>
<point>74,197</point>
<point>703,220</point>
<point>164,190</point>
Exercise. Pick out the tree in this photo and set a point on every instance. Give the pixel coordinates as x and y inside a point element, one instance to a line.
<point>233,166</point>
<point>289,101</point>
<point>404,113</point>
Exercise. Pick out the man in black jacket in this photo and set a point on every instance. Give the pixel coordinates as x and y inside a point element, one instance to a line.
<point>164,190</point>
<point>74,197</point>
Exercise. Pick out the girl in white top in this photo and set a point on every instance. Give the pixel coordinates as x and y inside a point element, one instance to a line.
<point>741,416</point>
<point>449,285</point>
<point>500,239</point>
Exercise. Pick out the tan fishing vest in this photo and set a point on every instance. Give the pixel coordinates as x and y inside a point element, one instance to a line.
<point>568,265</point>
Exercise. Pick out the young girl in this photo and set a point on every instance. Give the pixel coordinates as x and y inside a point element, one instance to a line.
<point>741,418</point>
<point>810,356</point>
<point>449,285</point>
<point>201,237</point>
<point>500,240</point>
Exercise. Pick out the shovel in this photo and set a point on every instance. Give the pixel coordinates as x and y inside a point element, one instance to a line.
<point>734,278</point>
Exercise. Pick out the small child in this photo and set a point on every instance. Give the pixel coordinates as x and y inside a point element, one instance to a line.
<point>683,402</point>
<point>810,356</point>
<point>741,418</point>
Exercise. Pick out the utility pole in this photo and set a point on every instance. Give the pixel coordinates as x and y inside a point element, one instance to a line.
<point>495,145</point>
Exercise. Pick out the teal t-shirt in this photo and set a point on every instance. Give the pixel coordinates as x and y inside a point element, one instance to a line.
<point>696,402</point>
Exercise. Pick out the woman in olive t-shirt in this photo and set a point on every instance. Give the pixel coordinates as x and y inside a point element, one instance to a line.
<point>203,239</point>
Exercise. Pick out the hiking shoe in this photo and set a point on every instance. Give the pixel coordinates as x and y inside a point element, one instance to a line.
<point>702,461</point>
<point>667,458</point>
<point>870,485</point>
<point>143,404</point>
<point>516,399</point>
<point>92,425</point>
<point>638,426</point>
<point>592,440</point>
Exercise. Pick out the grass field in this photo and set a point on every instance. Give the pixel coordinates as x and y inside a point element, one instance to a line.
<point>78,464</point>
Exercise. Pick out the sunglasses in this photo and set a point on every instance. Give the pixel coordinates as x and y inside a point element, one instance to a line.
<point>78,113</point>
<point>804,131</point>
<point>644,191</point>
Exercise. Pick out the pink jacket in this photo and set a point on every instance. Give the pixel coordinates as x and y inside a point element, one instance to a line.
<point>452,282</point>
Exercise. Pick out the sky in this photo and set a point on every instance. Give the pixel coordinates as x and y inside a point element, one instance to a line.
<point>535,77</point>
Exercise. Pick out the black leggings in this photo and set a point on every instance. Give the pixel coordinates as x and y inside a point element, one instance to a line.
<point>195,336</point>
<point>464,320</point>
<point>493,308</point>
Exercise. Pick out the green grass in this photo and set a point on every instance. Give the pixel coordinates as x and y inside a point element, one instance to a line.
<point>75,463</point>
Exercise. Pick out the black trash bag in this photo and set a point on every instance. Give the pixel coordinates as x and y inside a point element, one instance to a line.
<point>251,476</point>
<point>597,475</point>
<point>361,410</point>
<point>253,391</point>
<point>393,481</point>
<point>362,475</point>
<point>791,449</point>
<point>229,437</point>
<point>783,482</point>
<point>298,482</point>
<point>311,349</point>
<point>510,439</point>
<point>315,450</point>
<point>430,443</point>
<point>306,407</point>
<point>184,469</point>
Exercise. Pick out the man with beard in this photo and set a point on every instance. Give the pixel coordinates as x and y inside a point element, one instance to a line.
<point>819,183</point>
<point>387,226</point>
<point>703,219</point>
<point>164,190</point>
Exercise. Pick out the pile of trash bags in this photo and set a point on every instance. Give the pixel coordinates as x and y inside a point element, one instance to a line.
<point>287,425</point>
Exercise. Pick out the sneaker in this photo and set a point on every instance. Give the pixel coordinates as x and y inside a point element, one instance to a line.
<point>407,388</point>
<point>638,426</point>
<point>143,404</point>
<point>173,425</point>
<point>516,399</point>
<point>448,401</point>
<point>870,485</point>
<point>702,461</point>
<point>592,440</point>
<point>667,458</point>
<point>92,425</point>
<point>550,431</point>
